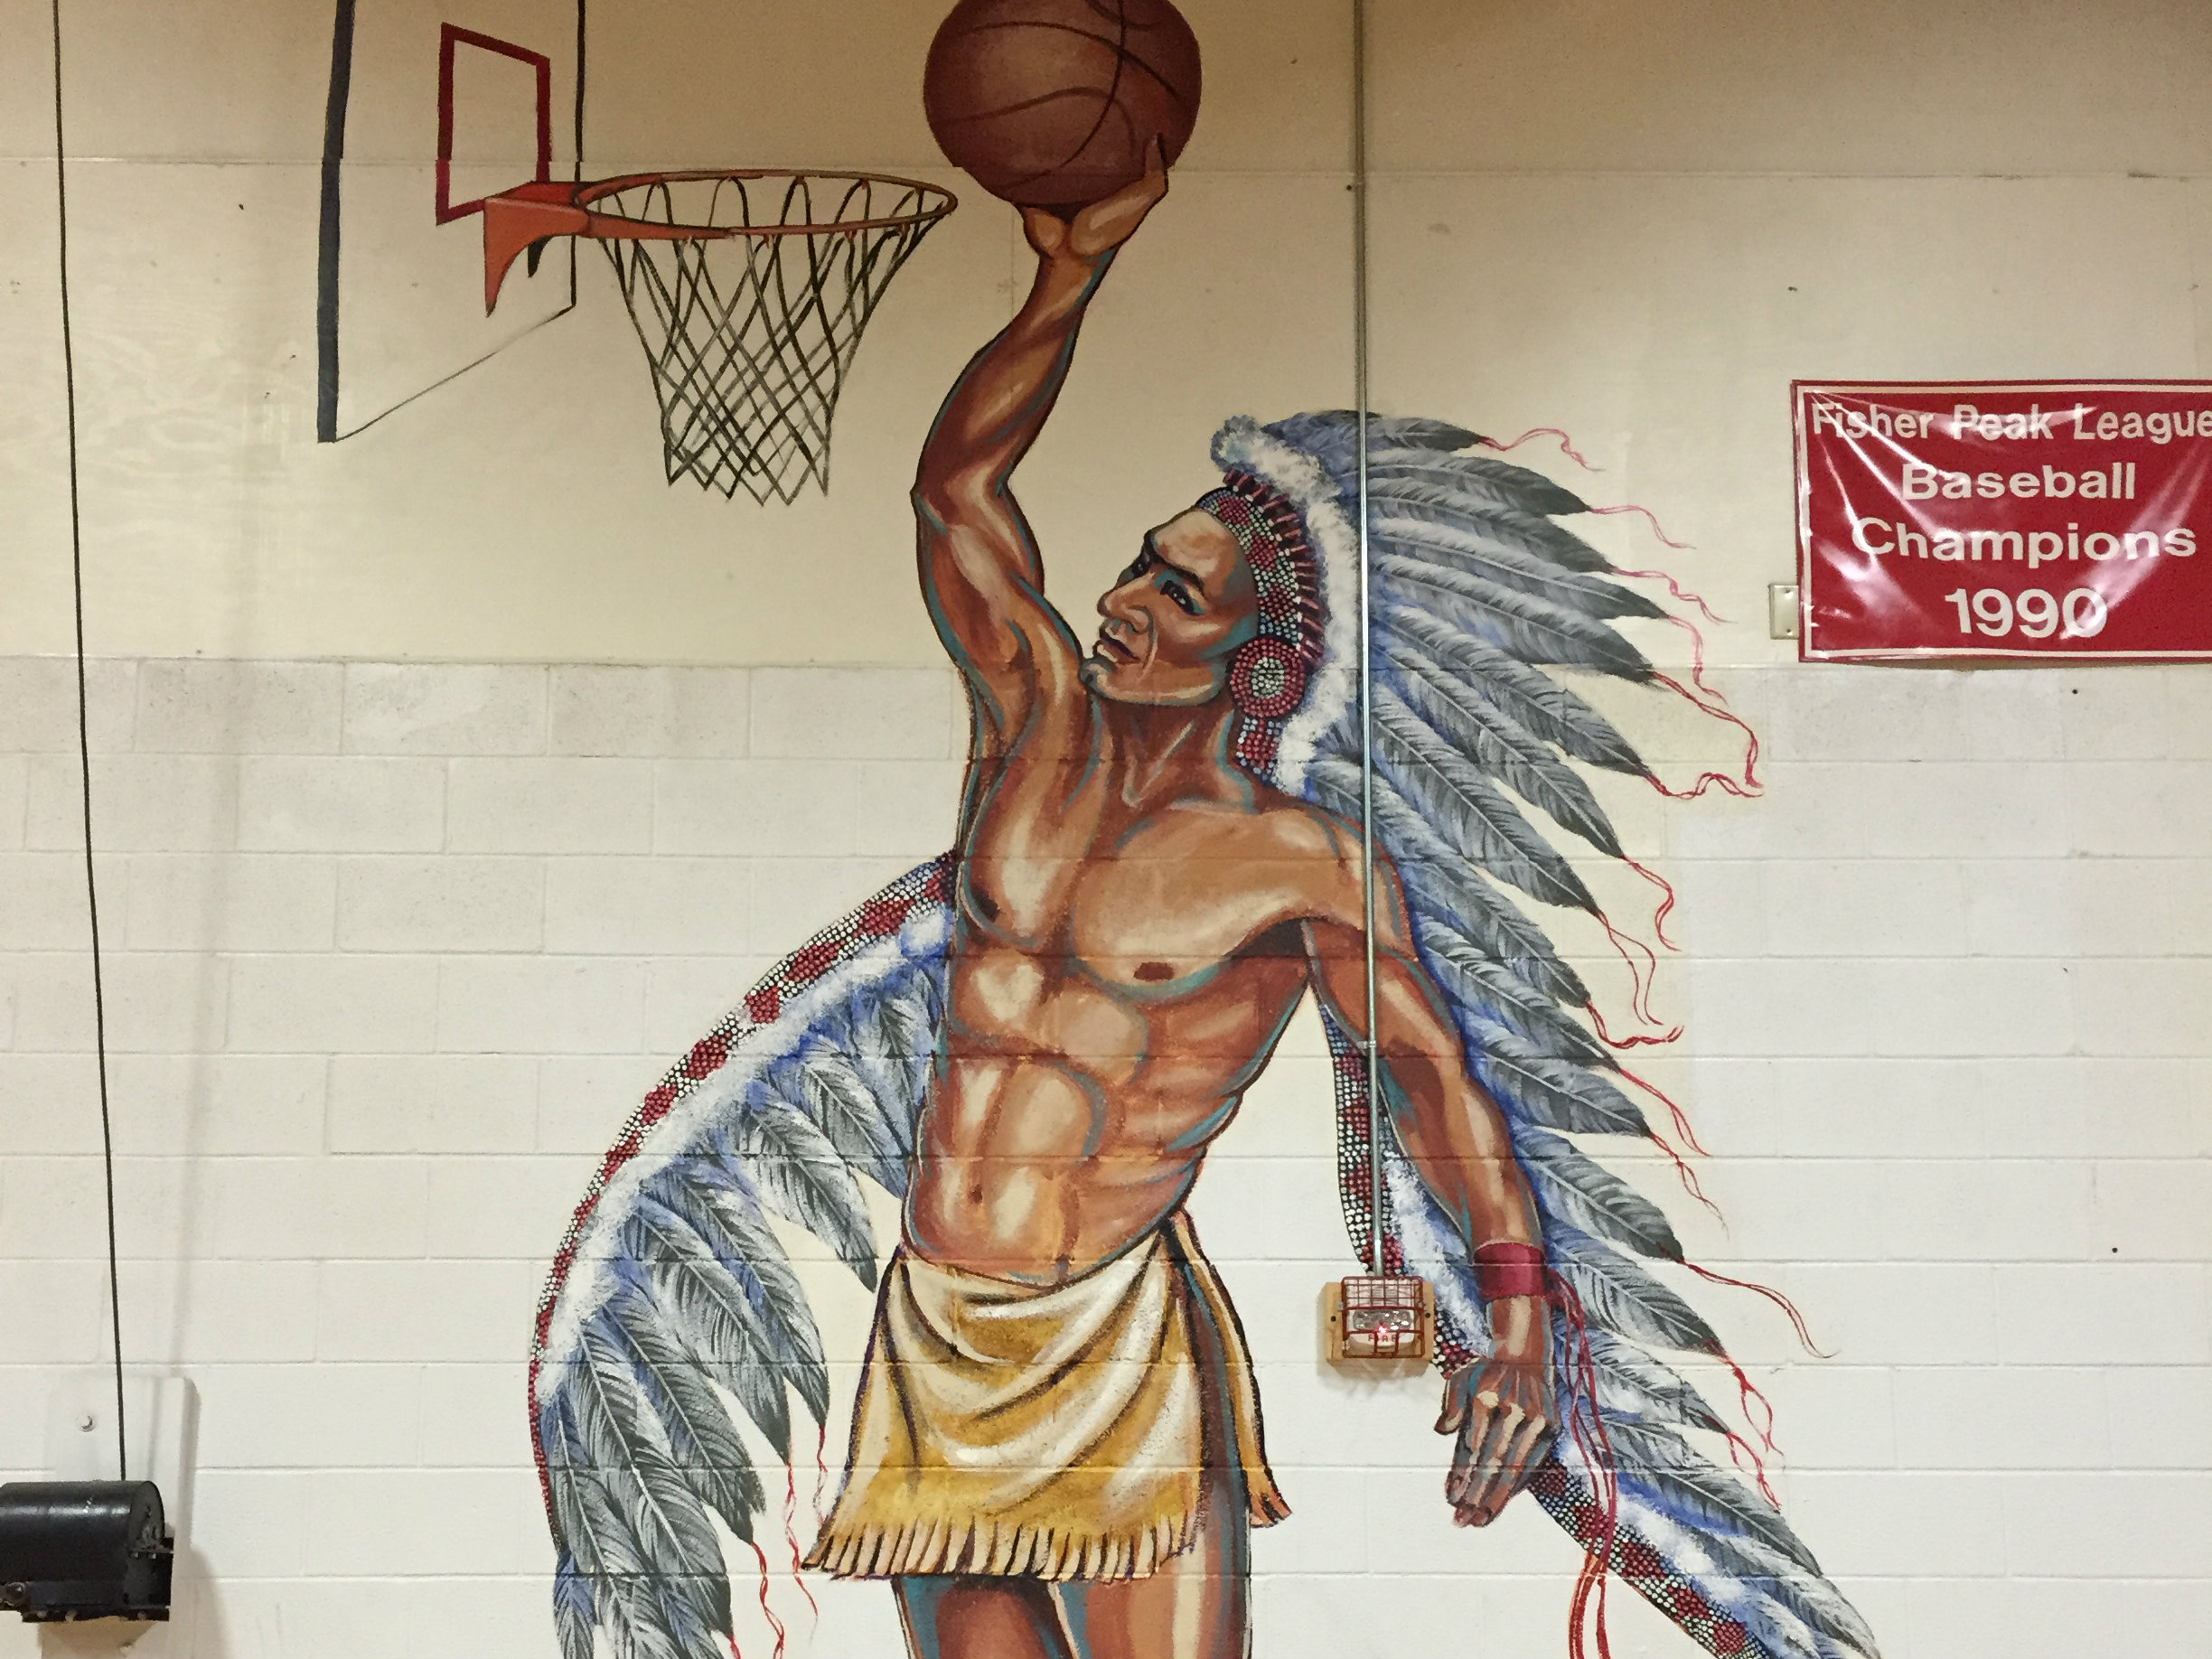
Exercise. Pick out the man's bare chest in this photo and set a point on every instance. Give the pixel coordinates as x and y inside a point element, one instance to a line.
<point>1137,900</point>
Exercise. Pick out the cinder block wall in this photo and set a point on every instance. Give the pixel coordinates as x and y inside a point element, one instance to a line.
<point>392,950</point>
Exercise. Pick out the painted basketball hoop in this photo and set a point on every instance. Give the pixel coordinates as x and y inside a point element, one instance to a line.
<point>749,291</point>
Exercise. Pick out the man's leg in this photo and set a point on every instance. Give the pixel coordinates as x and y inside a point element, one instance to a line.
<point>980,1618</point>
<point>1194,1607</point>
<point>1197,1606</point>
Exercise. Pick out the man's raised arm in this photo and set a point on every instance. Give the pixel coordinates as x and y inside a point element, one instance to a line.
<point>1501,1410</point>
<point>981,573</point>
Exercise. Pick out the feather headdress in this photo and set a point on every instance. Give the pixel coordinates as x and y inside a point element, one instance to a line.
<point>1474,593</point>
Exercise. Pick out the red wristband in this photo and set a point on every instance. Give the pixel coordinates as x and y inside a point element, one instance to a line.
<point>1503,1270</point>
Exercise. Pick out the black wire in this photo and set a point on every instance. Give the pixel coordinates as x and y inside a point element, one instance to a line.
<point>84,750</point>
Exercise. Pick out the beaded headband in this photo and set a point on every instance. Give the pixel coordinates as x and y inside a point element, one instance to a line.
<point>1268,675</point>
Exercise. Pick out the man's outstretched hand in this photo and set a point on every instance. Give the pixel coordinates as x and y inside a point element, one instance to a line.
<point>1501,1410</point>
<point>1098,230</point>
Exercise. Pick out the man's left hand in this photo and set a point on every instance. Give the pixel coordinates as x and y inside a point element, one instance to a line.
<point>1501,1409</point>
<point>1103,227</point>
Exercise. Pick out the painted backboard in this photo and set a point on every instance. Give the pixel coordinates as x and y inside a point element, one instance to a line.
<point>432,105</point>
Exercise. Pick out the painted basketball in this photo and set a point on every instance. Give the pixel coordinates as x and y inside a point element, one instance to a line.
<point>1054,103</point>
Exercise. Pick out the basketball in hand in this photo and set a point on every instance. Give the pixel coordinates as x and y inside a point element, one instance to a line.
<point>1054,103</point>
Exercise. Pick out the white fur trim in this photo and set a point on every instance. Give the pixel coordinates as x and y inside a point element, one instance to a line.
<point>1333,693</point>
<point>1434,1251</point>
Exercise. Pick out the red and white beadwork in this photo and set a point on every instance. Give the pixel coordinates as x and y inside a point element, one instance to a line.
<point>1269,674</point>
<point>1266,680</point>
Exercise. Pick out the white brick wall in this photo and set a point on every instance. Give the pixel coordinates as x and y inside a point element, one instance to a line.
<point>395,710</point>
<point>392,949</point>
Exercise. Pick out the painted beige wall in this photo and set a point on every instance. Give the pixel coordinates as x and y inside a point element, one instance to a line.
<point>407,939</point>
<point>1636,221</point>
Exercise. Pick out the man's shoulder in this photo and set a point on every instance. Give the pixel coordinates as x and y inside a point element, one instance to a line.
<point>1297,828</point>
<point>1328,845</point>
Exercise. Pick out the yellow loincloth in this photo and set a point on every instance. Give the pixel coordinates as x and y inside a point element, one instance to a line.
<point>1053,1433</point>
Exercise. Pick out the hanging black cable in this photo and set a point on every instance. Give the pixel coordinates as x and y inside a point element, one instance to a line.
<point>84,749</point>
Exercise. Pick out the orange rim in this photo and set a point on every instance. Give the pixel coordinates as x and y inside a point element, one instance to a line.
<point>610,226</point>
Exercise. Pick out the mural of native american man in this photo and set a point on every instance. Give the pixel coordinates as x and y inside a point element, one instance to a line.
<point>1056,1448</point>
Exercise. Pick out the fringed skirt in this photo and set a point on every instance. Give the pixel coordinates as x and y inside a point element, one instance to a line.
<point>1053,1433</point>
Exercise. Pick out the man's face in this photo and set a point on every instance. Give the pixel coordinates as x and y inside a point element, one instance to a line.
<point>1174,617</point>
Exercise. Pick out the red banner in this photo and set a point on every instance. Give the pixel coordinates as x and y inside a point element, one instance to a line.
<point>2056,519</point>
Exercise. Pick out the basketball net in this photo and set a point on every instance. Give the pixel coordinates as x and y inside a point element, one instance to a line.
<point>749,292</point>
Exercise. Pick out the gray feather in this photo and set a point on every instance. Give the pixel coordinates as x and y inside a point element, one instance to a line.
<point>912,1017</point>
<point>1527,697</point>
<point>855,1122</point>
<point>798,1355</point>
<point>1620,1297</point>
<point>1502,749</point>
<point>802,1179</point>
<point>1552,1093</point>
<point>1530,532</point>
<point>1631,1382</point>
<point>1497,483</point>
<point>1759,1568</point>
<point>1472,978</point>
<point>677,1572</point>
<point>1594,1198</point>
<point>590,1525</point>
<point>1498,560</point>
<point>1421,450</point>
<point>1453,795</point>
<point>1789,1613</point>
<point>1663,1459</point>
<point>587,1509</point>
<point>1440,875</point>
<point>703,1442</point>
<point>667,1515</point>
<point>866,1042</point>
<point>1803,1592</point>
<point>573,1608</point>
<point>1331,431</point>
<point>694,1287</point>
<point>1530,628</point>
<point>883,1043</point>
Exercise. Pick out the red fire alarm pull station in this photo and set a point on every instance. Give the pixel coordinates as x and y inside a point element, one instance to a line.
<point>1382,1316</point>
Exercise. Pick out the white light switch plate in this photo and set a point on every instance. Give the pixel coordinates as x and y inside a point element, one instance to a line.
<point>1782,610</point>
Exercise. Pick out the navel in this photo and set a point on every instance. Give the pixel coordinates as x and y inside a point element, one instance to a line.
<point>1152,973</point>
